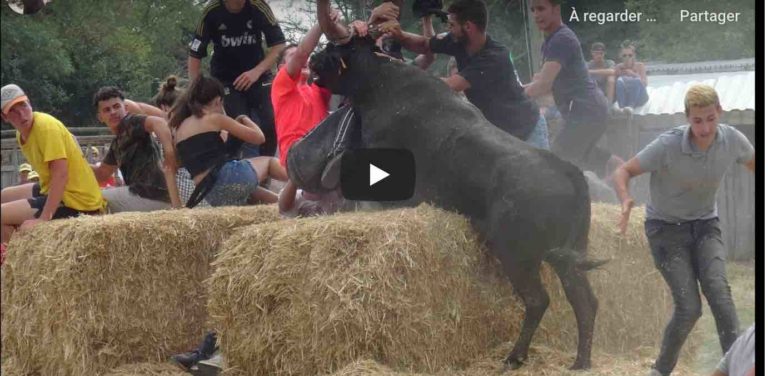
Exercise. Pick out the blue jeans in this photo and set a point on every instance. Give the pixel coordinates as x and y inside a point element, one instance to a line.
<point>539,136</point>
<point>630,92</point>
<point>234,184</point>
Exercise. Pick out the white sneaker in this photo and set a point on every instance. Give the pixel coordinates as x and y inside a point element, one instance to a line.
<point>210,367</point>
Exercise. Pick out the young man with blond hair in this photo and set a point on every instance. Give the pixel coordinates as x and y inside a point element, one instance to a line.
<point>687,164</point>
<point>67,186</point>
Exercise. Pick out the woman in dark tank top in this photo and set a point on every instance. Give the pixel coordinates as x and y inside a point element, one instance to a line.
<point>198,120</point>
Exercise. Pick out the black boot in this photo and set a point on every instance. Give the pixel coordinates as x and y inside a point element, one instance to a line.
<point>204,351</point>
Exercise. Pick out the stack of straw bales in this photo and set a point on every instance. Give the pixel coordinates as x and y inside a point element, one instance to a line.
<point>411,289</point>
<point>84,295</point>
<point>403,293</point>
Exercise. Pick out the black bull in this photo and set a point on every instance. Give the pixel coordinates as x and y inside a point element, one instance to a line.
<point>529,205</point>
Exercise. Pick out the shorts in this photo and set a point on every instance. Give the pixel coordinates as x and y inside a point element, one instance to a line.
<point>235,182</point>
<point>121,199</point>
<point>38,202</point>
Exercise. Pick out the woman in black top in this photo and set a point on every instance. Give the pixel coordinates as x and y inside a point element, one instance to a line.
<point>198,119</point>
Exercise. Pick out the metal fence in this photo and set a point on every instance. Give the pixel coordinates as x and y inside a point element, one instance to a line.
<point>12,156</point>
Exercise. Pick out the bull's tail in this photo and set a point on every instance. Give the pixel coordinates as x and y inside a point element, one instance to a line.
<point>574,249</point>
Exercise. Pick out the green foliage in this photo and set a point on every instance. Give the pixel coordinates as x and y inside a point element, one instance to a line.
<point>62,54</point>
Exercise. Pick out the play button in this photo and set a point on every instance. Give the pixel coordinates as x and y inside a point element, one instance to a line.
<point>376,174</point>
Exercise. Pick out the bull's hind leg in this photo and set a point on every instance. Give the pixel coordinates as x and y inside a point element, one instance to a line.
<point>527,283</point>
<point>582,299</point>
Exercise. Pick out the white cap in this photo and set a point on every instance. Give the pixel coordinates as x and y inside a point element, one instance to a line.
<point>11,94</point>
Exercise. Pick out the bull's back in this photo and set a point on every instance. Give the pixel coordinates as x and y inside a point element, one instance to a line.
<point>465,163</point>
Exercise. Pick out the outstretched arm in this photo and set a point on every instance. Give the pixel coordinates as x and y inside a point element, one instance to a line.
<point>423,61</point>
<point>305,48</point>
<point>159,127</point>
<point>335,31</point>
<point>542,82</point>
<point>621,178</point>
<point>139,108</point>
<point>410,41</point>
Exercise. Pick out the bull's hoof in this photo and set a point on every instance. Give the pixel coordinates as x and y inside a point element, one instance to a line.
<point>580,366</point>
<point>514,361</point>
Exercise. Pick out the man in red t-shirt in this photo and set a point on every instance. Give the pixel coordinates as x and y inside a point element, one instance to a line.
<point>299,106</point>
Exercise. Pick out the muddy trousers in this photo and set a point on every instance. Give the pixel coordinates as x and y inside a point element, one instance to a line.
<point>689,255</point>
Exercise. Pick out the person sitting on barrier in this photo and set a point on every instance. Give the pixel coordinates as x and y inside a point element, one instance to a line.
<point>198,118</point>
<point>33,177</point>
<point>150,180</point>
<point>24,170</point>
<point>631,80</point>
<point>67,186</point>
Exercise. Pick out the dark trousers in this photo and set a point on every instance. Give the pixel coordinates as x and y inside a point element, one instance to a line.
<point>256,103</point>
<point>577,143</point>
<point>689,255</point>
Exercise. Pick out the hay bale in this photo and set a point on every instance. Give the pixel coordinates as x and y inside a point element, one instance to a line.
<point>147,369</point>
<point>411,288</point>
<point>634,301</point>
<point>544,361</point>
<point>81,296</point>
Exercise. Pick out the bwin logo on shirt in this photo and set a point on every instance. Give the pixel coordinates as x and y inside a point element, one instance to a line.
<point>245,39</point>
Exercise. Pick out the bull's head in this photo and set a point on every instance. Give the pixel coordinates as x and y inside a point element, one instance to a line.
<point>342,69</point>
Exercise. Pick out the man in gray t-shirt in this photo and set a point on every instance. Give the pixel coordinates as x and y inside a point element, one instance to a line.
<point>687,165</point>
<point>740,359</point>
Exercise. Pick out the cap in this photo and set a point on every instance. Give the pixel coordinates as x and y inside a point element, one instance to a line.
<point>33,175</point>
<point>11,94</point>
<point>25,167</point>
<point>598,46</point>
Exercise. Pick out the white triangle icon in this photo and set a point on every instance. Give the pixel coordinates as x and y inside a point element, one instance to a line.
<point>376,174</point>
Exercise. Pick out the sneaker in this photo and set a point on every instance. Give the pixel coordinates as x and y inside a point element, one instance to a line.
<point>186,360</point>
<point>210,367</point>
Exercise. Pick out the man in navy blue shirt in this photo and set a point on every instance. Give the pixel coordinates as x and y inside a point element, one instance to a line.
<point>486,73</point>
<point>583,106</point>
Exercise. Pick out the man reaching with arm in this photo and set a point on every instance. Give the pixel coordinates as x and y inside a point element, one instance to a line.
<point>486,72</point>
<point>687,165</point>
